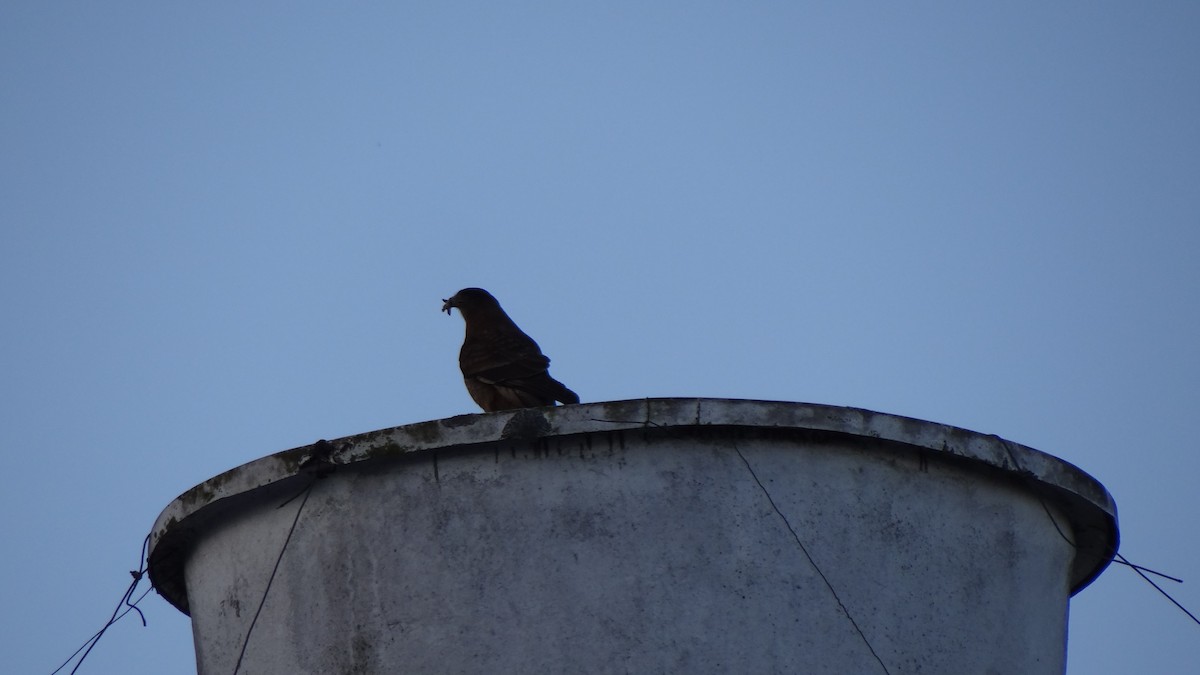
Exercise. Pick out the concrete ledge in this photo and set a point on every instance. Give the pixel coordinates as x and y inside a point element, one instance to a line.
<point>1088,509</point>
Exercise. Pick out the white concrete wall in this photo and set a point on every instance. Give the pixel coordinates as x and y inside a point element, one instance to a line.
<point>638,551</point>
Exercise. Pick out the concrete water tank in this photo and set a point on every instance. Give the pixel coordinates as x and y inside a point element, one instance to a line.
<point>645,536</point>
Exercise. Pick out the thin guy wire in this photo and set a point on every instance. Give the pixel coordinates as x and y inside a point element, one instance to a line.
<point>97,634</point>
<point>1119,558</point>
<point>810,559</point>
<point>117,614</point>
<point>271,579</point>
<point>1135,568</point>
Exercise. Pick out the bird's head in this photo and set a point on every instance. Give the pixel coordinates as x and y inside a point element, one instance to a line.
<point>470,301</point>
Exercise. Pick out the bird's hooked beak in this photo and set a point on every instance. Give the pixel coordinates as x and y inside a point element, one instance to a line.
<point>447,304</point>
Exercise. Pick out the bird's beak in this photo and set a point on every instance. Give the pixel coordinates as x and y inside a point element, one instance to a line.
<point>447,304</point>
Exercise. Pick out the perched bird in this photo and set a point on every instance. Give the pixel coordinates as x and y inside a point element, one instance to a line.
<point>501,365</point>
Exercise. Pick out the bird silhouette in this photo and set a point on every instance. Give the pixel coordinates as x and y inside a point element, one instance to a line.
<point>503,368</point>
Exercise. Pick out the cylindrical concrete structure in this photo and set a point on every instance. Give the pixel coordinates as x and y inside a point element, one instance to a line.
<point>646,536</point>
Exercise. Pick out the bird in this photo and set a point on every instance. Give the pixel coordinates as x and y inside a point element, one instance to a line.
<point>503,368</point>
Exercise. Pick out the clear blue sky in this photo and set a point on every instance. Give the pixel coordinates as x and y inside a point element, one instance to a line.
<point>226,229</point>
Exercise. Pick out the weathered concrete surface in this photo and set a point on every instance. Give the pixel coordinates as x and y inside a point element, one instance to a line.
<point>634,536</point>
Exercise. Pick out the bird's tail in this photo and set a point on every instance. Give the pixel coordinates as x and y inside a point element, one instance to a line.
<point>562,394</point>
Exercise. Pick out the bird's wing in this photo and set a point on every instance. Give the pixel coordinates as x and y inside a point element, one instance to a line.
<point>500,356</point>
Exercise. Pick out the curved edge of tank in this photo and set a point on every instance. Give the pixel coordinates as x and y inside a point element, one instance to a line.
<point>1085,502</point>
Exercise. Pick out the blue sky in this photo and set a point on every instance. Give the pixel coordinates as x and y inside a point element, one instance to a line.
<point>225,231</point>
